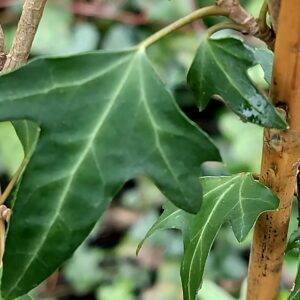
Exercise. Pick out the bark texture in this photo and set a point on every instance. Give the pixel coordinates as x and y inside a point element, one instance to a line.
<point>281,154</point>
<point>2,49</point>
<point>238,14</point>
<point>27,27</point>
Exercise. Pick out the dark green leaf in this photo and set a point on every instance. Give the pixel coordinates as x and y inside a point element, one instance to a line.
<point>220,68</point>
<point>105,118</point>
<point>237,199</point>
<point>172,217</point>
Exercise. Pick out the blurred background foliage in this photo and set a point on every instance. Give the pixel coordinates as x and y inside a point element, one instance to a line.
<point>105,267</point>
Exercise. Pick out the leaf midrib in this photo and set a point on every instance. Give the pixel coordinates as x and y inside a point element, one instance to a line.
<point>199,239</point>
<point>229,79</point>
<point>77,166</point>
<point>155,129</point>
<point>74,84</point>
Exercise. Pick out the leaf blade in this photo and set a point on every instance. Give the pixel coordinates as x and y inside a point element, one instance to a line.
<point>98,130</point>
<point>220,68</point>
<point>225,199</point>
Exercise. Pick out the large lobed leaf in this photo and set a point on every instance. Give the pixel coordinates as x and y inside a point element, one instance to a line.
<point>220,68</point>
<point>104,118</point>
<point>236,199</point>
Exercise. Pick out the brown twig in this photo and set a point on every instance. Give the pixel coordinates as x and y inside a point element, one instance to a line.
<point>27,27</point>
<point>280,161</point>
<point>240,15</point>
<point>5,214</point>
<point>2,49</point>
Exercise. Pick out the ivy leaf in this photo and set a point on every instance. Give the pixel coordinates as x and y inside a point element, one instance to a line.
<point>220,68</point>
<point>295,294</point>
<point>171,218</point>
<point>236,199</point>
<point>104,118</point>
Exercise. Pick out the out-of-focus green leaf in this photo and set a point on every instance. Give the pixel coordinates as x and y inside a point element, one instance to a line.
<point>241,151</point>
<point>57,36</point>
<point>166,11</point>
<point>11,152</point>
<point>83,270</point>
<point>105,117</point>
<point>220,68</point>
<point>122,290</point>
<point>53,35</point>
<point>211,291</point>
<point>295,294</point>
<point>119,37</point>
<point>85,37</point>
<point>236,199</point>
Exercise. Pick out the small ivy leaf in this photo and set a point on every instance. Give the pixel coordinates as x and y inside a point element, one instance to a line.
<point>220,68</point>
<point>265,58</point>
<point>105,118</point>
<point>295,293</point>
<point>236,199</point>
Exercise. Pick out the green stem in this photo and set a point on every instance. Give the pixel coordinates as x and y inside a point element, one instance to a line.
<point>221,26</point>
<point>262,19</point>
<point>194,16</point>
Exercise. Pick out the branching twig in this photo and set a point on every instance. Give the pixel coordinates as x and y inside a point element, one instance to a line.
<point>27,27</point>
<point>240,15</point>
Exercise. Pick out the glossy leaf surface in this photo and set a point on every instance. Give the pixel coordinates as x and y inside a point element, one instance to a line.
<point>236,199</point>
<point>104,118</point>
<point>220,68</point>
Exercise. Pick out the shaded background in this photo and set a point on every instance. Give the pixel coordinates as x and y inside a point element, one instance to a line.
<point>105,267</point>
